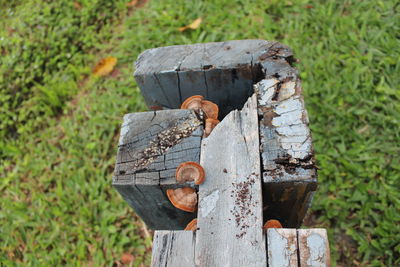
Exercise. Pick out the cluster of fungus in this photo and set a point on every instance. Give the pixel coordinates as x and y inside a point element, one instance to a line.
<point>185,198</point>
<point>208,108</point>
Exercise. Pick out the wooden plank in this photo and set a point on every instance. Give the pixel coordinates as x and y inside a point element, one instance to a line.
<point>151,147</point>
<point>282,247</point>
<point>313,248</point>
<point>230,200</point>
<point>173,249</point>
<point>289,172</point>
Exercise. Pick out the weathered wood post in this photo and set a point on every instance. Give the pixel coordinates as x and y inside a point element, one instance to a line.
<point>258,161</point>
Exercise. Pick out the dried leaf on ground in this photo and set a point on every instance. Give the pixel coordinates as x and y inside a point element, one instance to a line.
<point>137,3</point>
<point>127,258</point>
<point>77,5</point>
<point>194,25</point>
<point>105,66</point>
<point>132,3</point>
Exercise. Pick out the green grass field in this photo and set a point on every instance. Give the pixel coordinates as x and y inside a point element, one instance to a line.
<point>59,125</point>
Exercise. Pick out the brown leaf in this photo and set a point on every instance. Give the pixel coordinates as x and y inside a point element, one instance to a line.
<point>127,258</point>
<point>136,3</point>
<point>77,6</point>
<point>132,3</point>
<point>194,25</point>
<point>105,66</point>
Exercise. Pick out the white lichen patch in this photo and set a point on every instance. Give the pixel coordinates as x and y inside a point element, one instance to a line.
<point>288,118</point>
<point>279,251</point>
<point>288,106</point>
<point>266,89</point>
<point>317,248</point>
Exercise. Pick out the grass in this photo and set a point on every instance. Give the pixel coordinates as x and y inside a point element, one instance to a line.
<point>59,125</point>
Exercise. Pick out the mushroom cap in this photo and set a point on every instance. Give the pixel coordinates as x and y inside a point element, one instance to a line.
<point>210,109</point>
<point>272,224</point>
<point>210,125</point>
<point>193,102</point>
<point>190,171</point>
<point>183,198</point>
<point>192,226</point>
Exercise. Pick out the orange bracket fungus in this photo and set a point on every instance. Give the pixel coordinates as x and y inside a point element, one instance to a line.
<point>193,102</point>
<point>210,109</point>
<point>272,224</point>
<point>197,102</point>
<point>210,124</point>
<point>183,198</point>
<point>192,226</point>
<point>190,171</point>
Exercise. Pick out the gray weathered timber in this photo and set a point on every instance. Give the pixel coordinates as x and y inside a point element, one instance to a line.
<point>223,72</point>
<point>173,249</point>
<point>313,248</point>
<point>230,200</point>
<point>151,147</point>
<point>282,247</point>
<point>289,172</point>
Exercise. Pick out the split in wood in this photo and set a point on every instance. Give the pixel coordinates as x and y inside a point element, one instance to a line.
<point>190,171</point>
<point>183,198</point>
<point>192,226</point>
<point>272,224</point>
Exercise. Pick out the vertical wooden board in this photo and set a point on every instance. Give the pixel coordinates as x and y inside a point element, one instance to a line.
<point>313,248</point>
<point>282,247</point>
<point>230,201</point>
<point>173,249</point>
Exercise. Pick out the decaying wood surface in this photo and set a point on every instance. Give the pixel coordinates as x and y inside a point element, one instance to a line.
<point>289,172</point>
<point>230,200</point>
<point>151,147</point>
<point>282,247</point>
<point>223,72</point>
<point>314,248</point>
<point>173,249</point>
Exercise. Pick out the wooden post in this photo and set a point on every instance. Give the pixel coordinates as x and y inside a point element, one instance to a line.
<point>259,161</point>
<point>151,146</point>
<point>225,73</point>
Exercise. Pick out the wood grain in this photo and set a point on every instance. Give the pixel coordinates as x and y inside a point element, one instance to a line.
<point>173,249</point>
